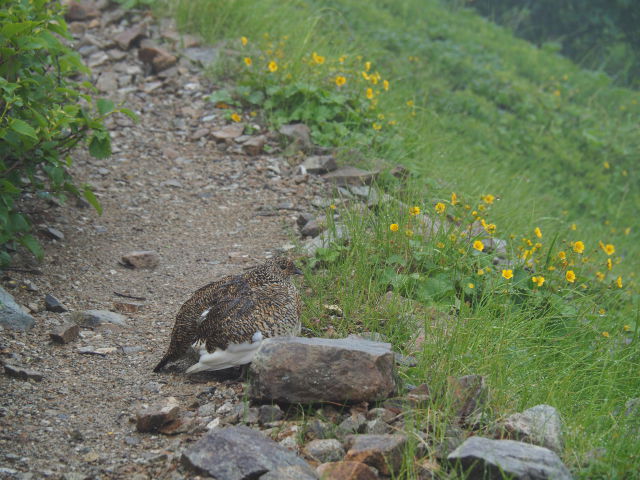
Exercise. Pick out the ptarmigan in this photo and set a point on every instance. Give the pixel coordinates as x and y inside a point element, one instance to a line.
<point>226,320</point>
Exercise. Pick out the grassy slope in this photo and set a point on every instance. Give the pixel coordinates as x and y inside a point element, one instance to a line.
<point>493,114</point>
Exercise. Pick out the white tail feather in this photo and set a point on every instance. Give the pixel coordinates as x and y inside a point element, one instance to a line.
<point>236,354</point>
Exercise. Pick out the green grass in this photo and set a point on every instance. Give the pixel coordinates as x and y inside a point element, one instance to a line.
<point>491,114</point>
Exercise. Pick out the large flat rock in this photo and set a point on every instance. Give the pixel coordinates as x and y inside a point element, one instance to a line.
<point>12,315</point>
<point>483,458</point>
<point>540,425</point>
<point>241,453</point>
<point>314,370</point>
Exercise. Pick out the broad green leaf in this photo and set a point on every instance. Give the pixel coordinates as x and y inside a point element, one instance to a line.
<point>30,242</point>
<point>23,128</point>
<point>91,198</point>
<point>100,145</point>
<point>104,106</point>
<point>129,113</point>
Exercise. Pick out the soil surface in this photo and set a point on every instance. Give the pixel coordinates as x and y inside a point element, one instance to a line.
<point>206,208</point>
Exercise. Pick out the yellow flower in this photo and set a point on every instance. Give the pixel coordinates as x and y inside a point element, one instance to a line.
<point>342,58</point>
<point>578,246</point>
<point>627,230</point>
<point>394,227</point>
<point>471,285</point>
<point>410,103</point>
<point>557,93</point>
<point>369,93</point>
<point>570,276</point>
<point>539,280</point>
<point>606,165</point>
<point>489,227</point>
<point>627,328</point>
<point>478,245</point>
<point>608,248</point>
<point>481,271</point>
<point>247,61</point>
<point>440,245</point>
<point>332,206</point>
<point>408,233</point>
<point>244,41</point>
<point>454,198</point>
<point>573,226</point>
<point>609,264</point>
<point>385,85</point>
<point>605,334</point>
<point>508,274</point>
<point>414,210</point>
<point>253,114</point>
<point>340,80</point>
<point>365,76</point>
<point>453,237</point>
<point>381,116</point>
<point>600,276</point>
<point>562,255</point>
<point>538,232</point>
<point>318,59</point>
<point>273,66</point>
<point>367,66</point>
<point>235,117</point>
<point>602,311</point>
<point>619,282</point>
<point>376,126</point>
<point>440,207</point>
<point>488,198</point>
<point>551,268</point>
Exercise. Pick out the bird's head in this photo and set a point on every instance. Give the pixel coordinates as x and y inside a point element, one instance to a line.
<point>280,268</point>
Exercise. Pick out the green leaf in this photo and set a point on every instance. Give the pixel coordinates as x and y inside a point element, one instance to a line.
<point>30,242</point>
<point>100,145</point>
<point>129,113</point>
<point>23,128</point>
<point>104,106</point>
<point>91,198</point>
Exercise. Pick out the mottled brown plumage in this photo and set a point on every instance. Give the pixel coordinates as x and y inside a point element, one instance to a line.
<point>233,309</point>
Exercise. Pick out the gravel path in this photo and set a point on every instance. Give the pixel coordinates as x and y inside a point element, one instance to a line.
<point>206,210</point>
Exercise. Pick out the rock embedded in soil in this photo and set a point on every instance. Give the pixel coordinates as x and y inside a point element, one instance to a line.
<point>128,307</point>
<point>269,413</point>
<point>318,164</point>
<point>350,176</point>
<point>66,333</point>
<point>22,373</point>
<point>493,459</point>
<point>297,133</point>
<point>241,453</point>
<point>469,396</point>
<point>254,145</point>
<point>95,318</point>
<point>325,450</point>
<point>345,471</point>
<point>145,259</point>
<point>156,416</point>
<point>540,425</point>
<point>11,314</point>
<point>228,132</point>
<point>127,38</point>
<point>52,304</point>
<point>313,228</point>
<point>383,452</point>
<point>316,370</point>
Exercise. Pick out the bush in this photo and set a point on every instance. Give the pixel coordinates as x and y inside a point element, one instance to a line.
<point>44,114</point>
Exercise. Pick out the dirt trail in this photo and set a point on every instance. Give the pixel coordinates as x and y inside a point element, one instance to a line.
<point>205,210</point>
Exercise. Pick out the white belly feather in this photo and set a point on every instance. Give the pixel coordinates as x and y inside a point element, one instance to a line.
<point>234,355</point>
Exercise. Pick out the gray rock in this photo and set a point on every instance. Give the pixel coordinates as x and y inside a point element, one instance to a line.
<point>228,132</point>
<point>383,414</point>
<point>52,304</point>
<point>339,235</point>
<point>317,429</point>
<point>328,450</point>
<point>540,425</point>
<point>107,82</point>
<point>54,233</point>
<point>318,164</point>
<point>12,315</point>
<point>95,318</point>
<point>240,453</point>
<point>482,458</point>
<point>141,259</point>
<point>269,413</point>
<point>299,134</point>
<point>126,39</point>
<point>22,373</point>
<point>293,472</point>
<point>254,145</point>
<point>377,427</point>
<point>315,370</point>
<point>66,333</point>
<point>313,228</point>
<point>303,219</point>
<point>153,418</point>
<point>350,176</point>
<point>202,55</point>
<point>383,452</point>
<point>353,424</point>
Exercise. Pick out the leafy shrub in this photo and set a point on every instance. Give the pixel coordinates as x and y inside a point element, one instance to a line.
<point>44,114</point>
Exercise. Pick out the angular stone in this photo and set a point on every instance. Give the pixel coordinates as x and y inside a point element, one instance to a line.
<point>76,11</point>
<point>269,413</point>
<point>254,145</point>
<point>317,429</point>
<point>141,259</point>
<point>540,425</point>
<point>107,82</point>
<point>54,233</point>
<point>483,458</point>
<point>156,56</point>
<point>316,370</point>
<point>350,176</point>
<point>298,133</point>
<point>11,314</point>
<point>345,471</point>
<point>52,304</point>
<point>377,427</point>
<point>152,418</point>
<point>383,452</point>
<point>469,395</point>
<point>128,307</point>
<point>353,424</point>
<point>228,132</point>
<point>293,472</point>
<point>318,164</point>
<point>202,55</point>
<point>66,333</point>
<point>22,373</point>
<point>126,39</point>
<point>313,228</point>
<point>327,450</point>
<point>383,414</point>
<point>303,219</point>
<point>241,453</point>
<point>95,318</point>
<point>420,395</point>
